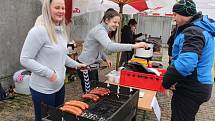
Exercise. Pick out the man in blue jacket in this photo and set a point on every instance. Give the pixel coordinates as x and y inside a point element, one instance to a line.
<point>190,75</point>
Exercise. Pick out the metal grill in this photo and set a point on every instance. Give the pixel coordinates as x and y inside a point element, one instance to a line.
<point>120,104</point>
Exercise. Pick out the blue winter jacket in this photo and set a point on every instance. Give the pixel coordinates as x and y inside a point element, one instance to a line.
<point>193,57</point>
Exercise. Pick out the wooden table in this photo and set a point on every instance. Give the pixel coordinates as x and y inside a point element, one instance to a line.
<point>144,103</point>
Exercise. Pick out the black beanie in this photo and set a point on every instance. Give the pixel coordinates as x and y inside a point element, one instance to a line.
<point>185,8</point>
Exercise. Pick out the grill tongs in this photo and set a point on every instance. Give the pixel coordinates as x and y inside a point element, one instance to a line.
<point>94,66</point>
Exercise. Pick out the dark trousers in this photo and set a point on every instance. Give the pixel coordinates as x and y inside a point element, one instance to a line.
<point>55,99</point>
<point>93,79</point>
<point>184,108</point>
<point>125,57</point>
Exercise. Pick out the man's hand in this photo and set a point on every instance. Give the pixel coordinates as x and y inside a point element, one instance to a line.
<point>172,87</point>
<point>169,92</point>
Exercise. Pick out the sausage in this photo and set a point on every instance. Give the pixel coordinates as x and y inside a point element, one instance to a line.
<point>93,97</point>
<point>79,104</point>
<point>71,109</point>
<point>100,91</point>
<point>103,89</point>
<point>83,103</point>
<point>90,96</point>
<point>78,110</point>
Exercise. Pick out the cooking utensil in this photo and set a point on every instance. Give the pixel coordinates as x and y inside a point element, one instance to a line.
<point>145,52</point>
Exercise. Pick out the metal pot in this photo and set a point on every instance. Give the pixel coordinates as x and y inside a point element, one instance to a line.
<point>145,53</point>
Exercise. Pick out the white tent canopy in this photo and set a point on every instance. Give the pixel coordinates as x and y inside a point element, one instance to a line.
<point>85,6</point>
<point>160,6</point>
<point>206,6</point>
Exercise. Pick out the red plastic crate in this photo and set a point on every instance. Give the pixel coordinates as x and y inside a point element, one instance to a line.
<point>142,80</point>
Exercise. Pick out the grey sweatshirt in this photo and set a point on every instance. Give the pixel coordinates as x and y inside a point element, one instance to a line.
<point>42,58</point>
<point>95,42</point>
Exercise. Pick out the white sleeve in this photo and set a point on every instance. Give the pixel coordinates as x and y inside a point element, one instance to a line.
<point>31,47</point>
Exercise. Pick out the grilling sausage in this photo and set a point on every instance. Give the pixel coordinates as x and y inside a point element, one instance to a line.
<point>93,97</point>
<point>100,91</point>
<point>79,104</point>
<point>103,89</point>
<point>83,103</point>
<point>76,105</point>
<point>71,109</point>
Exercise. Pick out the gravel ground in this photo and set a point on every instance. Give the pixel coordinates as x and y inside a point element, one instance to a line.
<point>21,108</point>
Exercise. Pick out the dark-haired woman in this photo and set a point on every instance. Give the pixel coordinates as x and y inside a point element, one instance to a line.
<point>97,39</point>
<point>128,36</point>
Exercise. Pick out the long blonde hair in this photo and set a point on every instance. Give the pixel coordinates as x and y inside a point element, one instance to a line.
<point>49,24</point>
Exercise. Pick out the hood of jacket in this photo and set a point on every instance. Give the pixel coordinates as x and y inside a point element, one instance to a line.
<point>206,23</point>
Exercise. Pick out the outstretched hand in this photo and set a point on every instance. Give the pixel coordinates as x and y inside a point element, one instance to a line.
<point>82,66</point>
<point>140,45</point>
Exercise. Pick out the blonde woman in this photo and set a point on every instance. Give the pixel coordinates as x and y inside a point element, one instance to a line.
<point>39,20</point>
<point>44,53</point>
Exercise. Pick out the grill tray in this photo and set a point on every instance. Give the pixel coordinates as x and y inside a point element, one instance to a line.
<point>113,107</point>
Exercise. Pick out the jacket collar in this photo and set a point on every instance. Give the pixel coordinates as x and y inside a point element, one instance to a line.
<point>58,29</point>
<point>191,21</point>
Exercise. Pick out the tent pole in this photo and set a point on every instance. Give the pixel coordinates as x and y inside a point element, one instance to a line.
<point>119,34</point>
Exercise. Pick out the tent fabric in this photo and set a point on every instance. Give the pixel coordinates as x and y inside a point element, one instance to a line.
<point>122,1</point>
<point>163,7</point>
<point>85,6</point>
<point>68,8</point>
<point>140,5</point>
